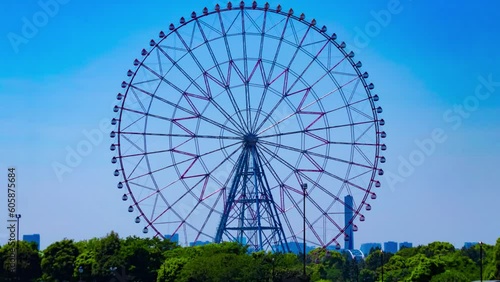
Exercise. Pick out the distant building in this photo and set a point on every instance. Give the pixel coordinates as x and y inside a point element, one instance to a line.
<point>348,213</point>
<point>468,245</point>
<point>199,243</point>
<point>299,248</point>
<point>33,238</point>
<point>405,245</point>
<point>173,238</point>
<point>366,248</point>
<point>391,247</point>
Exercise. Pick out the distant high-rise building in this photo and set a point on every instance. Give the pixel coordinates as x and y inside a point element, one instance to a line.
<point>33,238</point>
<point>366,248</point>
<point>348,212</point>
<point>469,245</point>
<point>391,247</point>
<point>173,238</point>
<point>405,245</point>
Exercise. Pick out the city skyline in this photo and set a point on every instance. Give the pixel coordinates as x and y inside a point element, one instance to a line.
<point>438,89</point>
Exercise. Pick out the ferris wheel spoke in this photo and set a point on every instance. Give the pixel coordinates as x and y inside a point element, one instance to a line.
<point>260,66</point>
<point>297,150</point>
<point>212,209</point>
<point>182,135</point>
<point>303,108</point>
<point>245,74</point>
<point>328,72</point>
<point>206,92</point>
<point>132,143</point>
<point>194,114</point>
<point>145,114</point>
<point>319,129</point>
<point>287,93</point>
<point>240,125</point>
<point>190,190</point>
<point>292,168</point>
<point>151,172</point>
<point>230,57</point>
<point>139,101</point>
<point>268,81</point>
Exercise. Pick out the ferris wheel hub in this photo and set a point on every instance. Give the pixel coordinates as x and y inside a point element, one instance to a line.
<point>250,139</point>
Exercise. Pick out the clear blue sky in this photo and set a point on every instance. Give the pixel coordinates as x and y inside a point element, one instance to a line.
<point>60,81</point>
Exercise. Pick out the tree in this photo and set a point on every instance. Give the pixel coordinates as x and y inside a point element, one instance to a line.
<point>107,256</point>
<point>494,266</point>
<point>450,276</point>
<point>58,260</point>
<point>143,257</point>
<point>26,266</point>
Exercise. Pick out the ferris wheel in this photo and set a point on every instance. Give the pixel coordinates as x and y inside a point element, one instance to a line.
<point>235,119</point>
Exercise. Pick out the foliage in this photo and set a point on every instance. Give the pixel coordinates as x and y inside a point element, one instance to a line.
<point>58,260</point>
<point>154,259</point>
<point>27,262</point>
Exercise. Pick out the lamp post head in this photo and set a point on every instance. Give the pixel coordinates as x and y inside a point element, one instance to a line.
<point>80,269</point>
<point>18,215</point>
<point>304,186</point>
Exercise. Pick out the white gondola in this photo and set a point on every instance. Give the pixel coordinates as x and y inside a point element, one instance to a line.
<point>124,197</point>
<point>120,185</point>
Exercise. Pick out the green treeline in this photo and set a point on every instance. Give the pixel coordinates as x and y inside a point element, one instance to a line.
<point>112,258</point>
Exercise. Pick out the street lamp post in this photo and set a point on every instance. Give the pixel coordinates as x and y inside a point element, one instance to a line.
<point>382,264</point>
<point>304,190</point>
<point>18,216</point>
<point>80,270</point>
<point>481,261</point>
